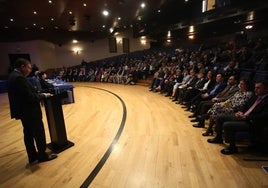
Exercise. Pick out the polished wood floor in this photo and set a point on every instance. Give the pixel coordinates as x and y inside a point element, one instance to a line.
<point>158,147</point>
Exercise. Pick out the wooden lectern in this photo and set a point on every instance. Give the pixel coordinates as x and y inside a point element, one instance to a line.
<point>56,123</point>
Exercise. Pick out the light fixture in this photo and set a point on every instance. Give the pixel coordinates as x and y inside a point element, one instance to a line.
<point>143,5</point>
<point>249,26</point>
<point>77,50</point>
<point>191,37</point>
<point>105,12</point>
<point>191,29</point>
<point>169,34</point>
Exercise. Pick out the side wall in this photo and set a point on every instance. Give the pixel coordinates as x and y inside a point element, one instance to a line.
<point>47,55</point>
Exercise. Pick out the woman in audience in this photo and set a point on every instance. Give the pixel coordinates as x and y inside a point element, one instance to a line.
<point>231,105</point>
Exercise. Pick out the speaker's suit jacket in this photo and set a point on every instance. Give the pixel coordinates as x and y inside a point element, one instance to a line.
<point>23,98</point>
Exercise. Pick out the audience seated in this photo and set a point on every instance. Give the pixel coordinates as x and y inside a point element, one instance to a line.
<point>202,109</point>
<point>219,85</point>
<point>231,105</point>
<point>193,77</point>
<point>252,117</point>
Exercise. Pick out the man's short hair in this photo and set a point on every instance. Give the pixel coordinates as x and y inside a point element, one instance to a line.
<point>21,61</point>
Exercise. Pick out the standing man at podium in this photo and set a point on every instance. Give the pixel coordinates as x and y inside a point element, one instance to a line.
<point>25,105</point>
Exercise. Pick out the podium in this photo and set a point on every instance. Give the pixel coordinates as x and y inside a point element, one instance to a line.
<point>56,124</point>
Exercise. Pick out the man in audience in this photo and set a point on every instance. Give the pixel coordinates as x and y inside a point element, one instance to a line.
<point>250,118</point>
<point>218,87</point>
<point>200,113</point>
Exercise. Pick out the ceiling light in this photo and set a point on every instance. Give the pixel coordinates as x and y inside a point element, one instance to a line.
<point>34,12</point>
<point>84,4</point>
<point>11,19</point>
<point>111,30</point>
<point>34,24</point>
<point>50,1</point>
<point>249,27</point>
<point>70,12</point>
<point>52,19</point>
<point>159,11</point>
<point>119,18</point>
<point>105,12</point>
<point>143,5</point>
<point>75,41</point>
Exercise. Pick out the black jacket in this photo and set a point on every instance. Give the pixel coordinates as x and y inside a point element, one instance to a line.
<point>23,99</point>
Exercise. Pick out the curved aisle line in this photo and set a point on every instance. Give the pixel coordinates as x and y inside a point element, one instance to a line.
<point>106,155</point>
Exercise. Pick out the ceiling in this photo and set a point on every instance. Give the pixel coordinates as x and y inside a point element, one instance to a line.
<point>68,17</point>
<point>59,20</point>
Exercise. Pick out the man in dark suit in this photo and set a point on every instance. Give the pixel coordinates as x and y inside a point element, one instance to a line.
<point>251,117</point>
<point>25,105</point>
<point>201,114</point>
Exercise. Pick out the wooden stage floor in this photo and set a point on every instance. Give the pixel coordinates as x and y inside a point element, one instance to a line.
<point>125,137</point>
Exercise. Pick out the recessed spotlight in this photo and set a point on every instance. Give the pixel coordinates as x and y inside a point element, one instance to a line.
<point>50,1</point>
<point>119,18</point>
<point>11,19</point>
<point>34,24</point>
<point>52,19</point>
<point>103,26</point>
<point>34,12</point>
<point>70,12</point>
<point>84,4</point>
<point>143,5</point>
<point>159,11</point>
<point>75,41</point>
<point>105,12</point>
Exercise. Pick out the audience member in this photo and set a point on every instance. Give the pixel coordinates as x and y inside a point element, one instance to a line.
<point>251,117</point>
